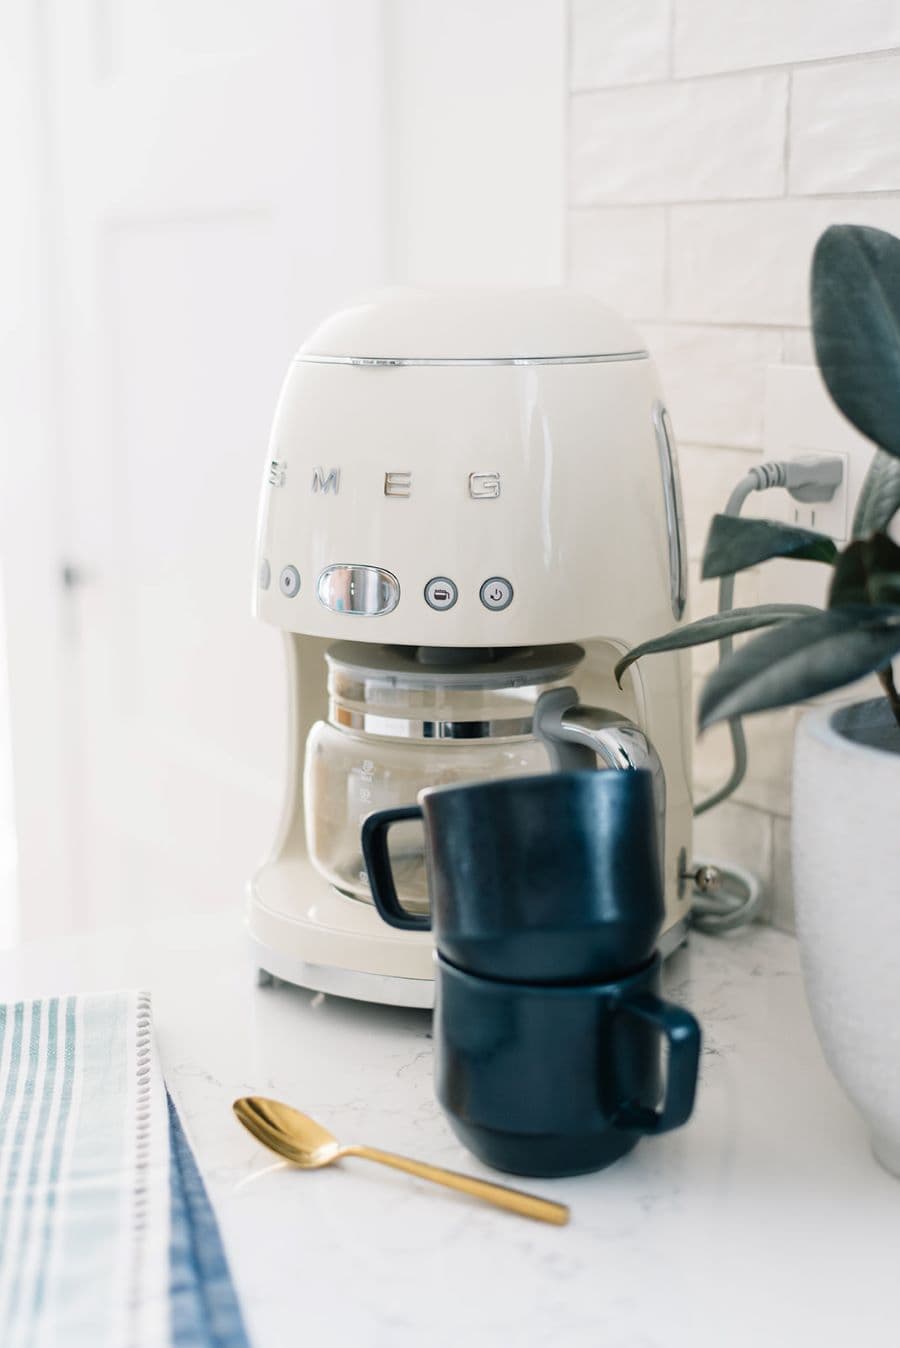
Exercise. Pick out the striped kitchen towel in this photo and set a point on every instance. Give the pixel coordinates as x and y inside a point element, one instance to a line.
<point>107,1239</point>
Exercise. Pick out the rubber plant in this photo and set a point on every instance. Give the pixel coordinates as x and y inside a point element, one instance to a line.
<point>856,329</point>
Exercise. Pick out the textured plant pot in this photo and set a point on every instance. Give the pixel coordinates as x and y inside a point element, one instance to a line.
<point>846,872</point>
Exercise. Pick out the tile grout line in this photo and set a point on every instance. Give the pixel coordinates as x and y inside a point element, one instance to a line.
<point>737,324</point>
<point>786,154</point>
<point>764,810</point>
<point>694,443</point>
<point>770,68</point>
<point>683,203</point>
<point>567,183</point>
<point>716,447</point>
<point>667,262</point>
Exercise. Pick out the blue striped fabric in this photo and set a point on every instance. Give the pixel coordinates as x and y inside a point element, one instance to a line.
<point>205,1309</point>
<point>107,1237</point>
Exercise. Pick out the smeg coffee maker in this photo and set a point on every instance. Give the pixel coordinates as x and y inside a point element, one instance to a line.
<point>470,510</point>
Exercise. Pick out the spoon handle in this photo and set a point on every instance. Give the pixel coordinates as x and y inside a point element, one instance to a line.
<point>514,1200</point>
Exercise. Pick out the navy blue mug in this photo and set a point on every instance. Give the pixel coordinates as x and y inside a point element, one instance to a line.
<point>544,1080</point>
<point>546,879</point>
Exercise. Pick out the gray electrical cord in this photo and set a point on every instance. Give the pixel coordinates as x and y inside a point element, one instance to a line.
<point>726,897</point>
<point>747,484</point>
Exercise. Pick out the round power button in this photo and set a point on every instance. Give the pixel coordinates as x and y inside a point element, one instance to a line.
<point>496,593</point>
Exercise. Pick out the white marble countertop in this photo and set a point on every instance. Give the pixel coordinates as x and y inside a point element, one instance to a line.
<point>765,1220</point>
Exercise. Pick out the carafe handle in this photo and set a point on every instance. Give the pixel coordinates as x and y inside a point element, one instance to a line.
<point>577,736</point>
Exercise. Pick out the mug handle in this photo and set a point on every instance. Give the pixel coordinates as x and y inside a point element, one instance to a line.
<point>682,1033</point>
<point>378,865</point>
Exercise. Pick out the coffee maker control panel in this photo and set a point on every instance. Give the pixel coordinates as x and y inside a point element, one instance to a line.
<point>371,591</point>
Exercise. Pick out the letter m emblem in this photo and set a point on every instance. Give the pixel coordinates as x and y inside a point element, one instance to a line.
<point>326,482</point>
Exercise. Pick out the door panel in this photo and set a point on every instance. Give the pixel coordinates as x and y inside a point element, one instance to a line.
<point>216,191</point>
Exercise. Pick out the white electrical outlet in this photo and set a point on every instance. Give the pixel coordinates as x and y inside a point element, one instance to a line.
<point>828,517</point>
<point>800,418</point>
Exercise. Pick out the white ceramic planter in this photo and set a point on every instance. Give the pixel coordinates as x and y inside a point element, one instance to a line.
<point>846,871</point>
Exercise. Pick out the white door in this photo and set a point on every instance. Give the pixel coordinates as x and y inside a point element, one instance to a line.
<point>210,187</point>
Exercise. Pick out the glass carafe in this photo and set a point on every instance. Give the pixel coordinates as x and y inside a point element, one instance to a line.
<point>404,718</point>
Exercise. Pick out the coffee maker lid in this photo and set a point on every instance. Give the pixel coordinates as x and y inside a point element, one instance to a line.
<point>432,666</point>
<point>461,326</point>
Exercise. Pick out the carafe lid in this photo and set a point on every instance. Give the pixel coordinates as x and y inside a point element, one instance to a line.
<point>428,667</point>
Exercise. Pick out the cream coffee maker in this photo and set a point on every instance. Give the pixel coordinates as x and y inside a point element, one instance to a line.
<point>470,510</point>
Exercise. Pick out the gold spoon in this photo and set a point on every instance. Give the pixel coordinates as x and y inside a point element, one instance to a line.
<point>305,1143</point>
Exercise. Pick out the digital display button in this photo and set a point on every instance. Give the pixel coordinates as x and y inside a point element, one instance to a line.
<point>441,593</point>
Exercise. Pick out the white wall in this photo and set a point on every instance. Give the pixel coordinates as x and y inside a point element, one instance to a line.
<point>475,134</point>
<point>184,184</point>
<point>711,142</point>
<point>31,525</point>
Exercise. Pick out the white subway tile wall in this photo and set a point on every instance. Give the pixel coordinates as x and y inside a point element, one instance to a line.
<point>711,143</point>
<point>714,35</point>
<point>619,44</point>
<point>707,480</point>
<point>715,379</point>
<point>748,262</point>
<point>621,256</point>
<point>680,140</point>
<point>843,127</point>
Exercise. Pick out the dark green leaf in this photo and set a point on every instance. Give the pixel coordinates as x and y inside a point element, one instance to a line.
<point>714,629</point>
<point>856,327</point>
<point>734,544</point>
<point>879,499</point>
<point>867,572</point>
<point>800,660</point>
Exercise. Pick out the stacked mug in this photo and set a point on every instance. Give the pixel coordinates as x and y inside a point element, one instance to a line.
<point>546,905</point>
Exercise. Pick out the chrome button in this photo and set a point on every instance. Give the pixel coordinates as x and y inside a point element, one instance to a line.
<point>496,593</point>
<point>355,588</point>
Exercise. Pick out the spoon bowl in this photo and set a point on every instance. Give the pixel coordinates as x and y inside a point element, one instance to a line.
<point>295,1136</point>
<point>306,1144</point>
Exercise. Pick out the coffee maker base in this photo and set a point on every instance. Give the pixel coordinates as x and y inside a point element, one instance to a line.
<point>382,989</point>
<point>304,932</point>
